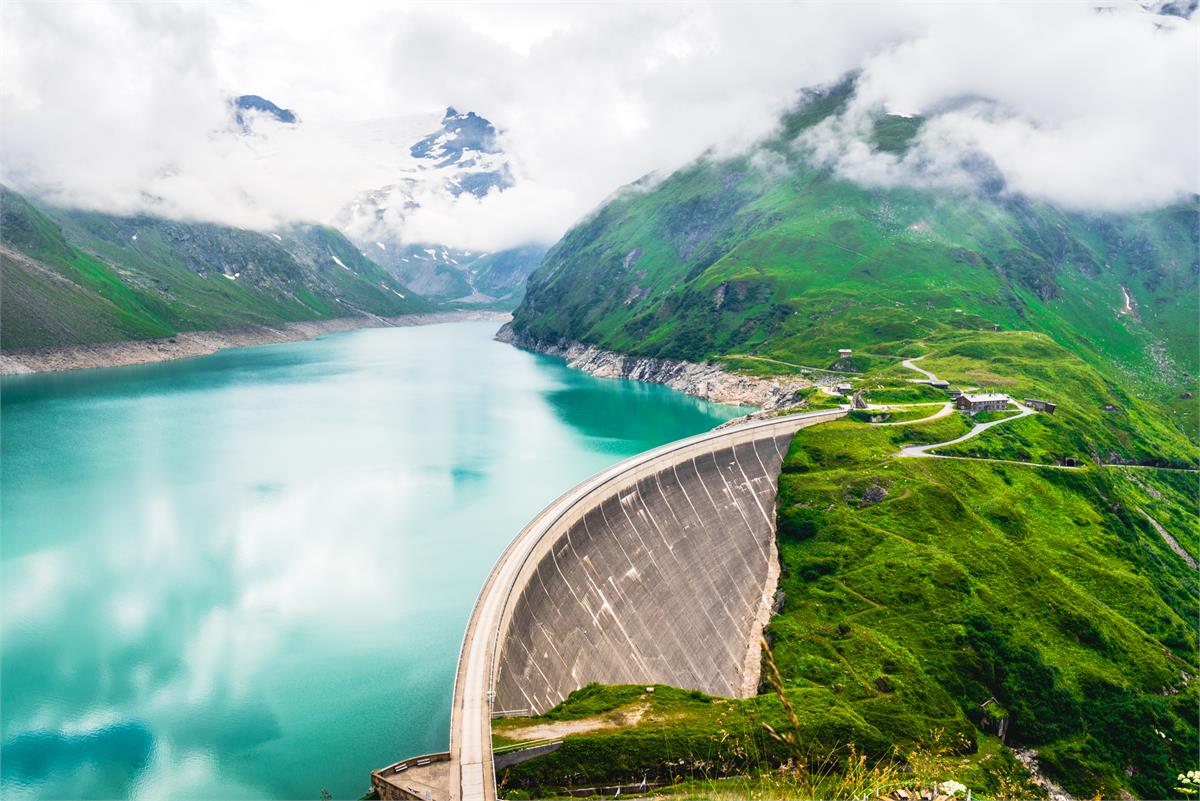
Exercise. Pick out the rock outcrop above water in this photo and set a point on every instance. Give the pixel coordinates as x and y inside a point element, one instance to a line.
<point>707,381</point>
<point>201,343</point>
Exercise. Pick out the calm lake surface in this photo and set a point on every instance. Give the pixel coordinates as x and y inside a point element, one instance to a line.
<point>247,575</point>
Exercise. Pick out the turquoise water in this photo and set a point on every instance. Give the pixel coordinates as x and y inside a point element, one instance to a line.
<point>247,575</point>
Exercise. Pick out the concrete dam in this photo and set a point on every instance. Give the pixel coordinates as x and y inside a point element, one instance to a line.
<point>661,569</point>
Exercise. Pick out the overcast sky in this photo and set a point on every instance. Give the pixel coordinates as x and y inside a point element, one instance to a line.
<point>122,106</point>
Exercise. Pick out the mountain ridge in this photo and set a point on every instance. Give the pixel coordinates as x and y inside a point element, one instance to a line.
<point>79,278</point>
<point>770,255</point>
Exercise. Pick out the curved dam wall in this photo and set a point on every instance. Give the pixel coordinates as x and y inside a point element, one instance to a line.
<point>662,573</point>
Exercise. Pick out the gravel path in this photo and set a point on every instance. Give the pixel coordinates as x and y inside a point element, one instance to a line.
<point>1170,541</point>
<point>928,375</point>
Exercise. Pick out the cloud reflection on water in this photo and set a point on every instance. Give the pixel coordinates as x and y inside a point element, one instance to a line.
<point>232,589</point>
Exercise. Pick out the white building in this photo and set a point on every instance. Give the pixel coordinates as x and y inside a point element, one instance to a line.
<point>981,403</point>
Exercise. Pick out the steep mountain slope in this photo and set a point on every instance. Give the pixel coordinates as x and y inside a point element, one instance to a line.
<point>467,144</point>
<point>769,255</point>
<point>461,277</point>
<point>73,277</point>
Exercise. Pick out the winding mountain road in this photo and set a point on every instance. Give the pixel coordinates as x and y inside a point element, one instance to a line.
<point>946,410</point>
<point>923,450</point>
<point>928,375</point>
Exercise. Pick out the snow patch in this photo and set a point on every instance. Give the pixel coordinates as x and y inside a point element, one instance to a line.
<point>233,277</point>
<point>134,237</point>
<point>277,236</point>
<point>382,285</point>
<point>1127,304</point>
<point>380,245</point>
<point>339,262</point>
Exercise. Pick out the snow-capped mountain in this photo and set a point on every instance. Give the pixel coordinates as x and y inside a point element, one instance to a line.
<point>246,108</point>
<point>466,146</point>
<point>462,157</point>
<point>419,161</point>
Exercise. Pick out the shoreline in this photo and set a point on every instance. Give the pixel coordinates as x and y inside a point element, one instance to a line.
<point>188,344</point>
<point>705,381</point>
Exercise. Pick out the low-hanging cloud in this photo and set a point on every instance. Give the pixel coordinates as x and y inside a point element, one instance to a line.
<point>123,107</point>
<point>1092,109</point>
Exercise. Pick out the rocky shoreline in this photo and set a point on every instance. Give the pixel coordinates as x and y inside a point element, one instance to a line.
<point>201,343</point>
<point>707,381</point>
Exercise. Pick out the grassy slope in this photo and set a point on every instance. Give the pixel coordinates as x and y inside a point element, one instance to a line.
<point>726,262</point>
<point>54,293</point>
<point>81,277</point>
<point>697,742</point>
<point>1044,589</point>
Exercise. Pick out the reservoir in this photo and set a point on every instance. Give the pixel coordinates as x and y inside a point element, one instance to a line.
<point>247,575</point>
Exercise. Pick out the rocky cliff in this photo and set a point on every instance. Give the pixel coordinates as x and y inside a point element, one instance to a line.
<point>707,381</point>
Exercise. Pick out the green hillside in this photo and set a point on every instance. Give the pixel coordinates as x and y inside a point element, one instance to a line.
<point>927,600</point>
<point>73,277</point>
<point>768,256</point>
<point>1044,589</point>
<point>919,590</point>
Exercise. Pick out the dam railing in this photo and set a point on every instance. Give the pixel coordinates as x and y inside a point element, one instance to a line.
<point>421,777</point>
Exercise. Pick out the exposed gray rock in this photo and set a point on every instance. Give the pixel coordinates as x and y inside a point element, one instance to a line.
<point>1028,758</point>
<point>708,381</point>
<point>199,343</point>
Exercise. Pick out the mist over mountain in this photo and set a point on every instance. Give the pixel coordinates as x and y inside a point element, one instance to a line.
<point>463,157</point>
<point>775,250</point>
<point>1098,121</point>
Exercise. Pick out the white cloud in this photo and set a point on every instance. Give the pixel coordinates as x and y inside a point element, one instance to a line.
<point>1090,109</point>
<point>121,106</point>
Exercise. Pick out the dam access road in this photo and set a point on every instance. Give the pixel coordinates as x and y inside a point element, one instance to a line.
<point>618,581</point>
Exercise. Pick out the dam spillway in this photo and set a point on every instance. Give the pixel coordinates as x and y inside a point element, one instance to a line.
<point>660,569</point>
